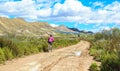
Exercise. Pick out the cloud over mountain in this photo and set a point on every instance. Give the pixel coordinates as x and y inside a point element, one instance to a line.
<point>62,10</point>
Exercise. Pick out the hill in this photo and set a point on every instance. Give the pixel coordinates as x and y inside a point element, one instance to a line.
<point>19,26</point>
<point>63,29</point>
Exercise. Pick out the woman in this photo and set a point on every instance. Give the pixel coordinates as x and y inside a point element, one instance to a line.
<point>50,41</point>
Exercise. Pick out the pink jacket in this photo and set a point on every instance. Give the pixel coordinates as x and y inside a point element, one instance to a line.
<point>50,39</point>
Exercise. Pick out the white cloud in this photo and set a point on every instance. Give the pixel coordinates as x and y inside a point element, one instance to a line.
<point>11,7</point>
<point>24,9</point>
<point>44,12</point>
<point>56,9</point>
<point>96,4</point>
<point>46,3</point>
<point>106,28</point>
<point>2,15</point>
<point>54,25</point>
<point>70,10</point>
<point>73,8</point>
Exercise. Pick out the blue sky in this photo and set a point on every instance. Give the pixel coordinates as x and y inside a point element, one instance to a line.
<point>89,15</point>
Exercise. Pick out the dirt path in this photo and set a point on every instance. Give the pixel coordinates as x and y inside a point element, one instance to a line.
<point>63,59</point>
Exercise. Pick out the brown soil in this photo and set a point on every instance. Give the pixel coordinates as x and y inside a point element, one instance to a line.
<point>63,59</point>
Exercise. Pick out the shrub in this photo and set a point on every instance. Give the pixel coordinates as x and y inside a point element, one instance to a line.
<point>94,67</point>
<point>33,48</point>
<point>27,51</point>
<point>93,51</point>
<point>39,47</point>
<point>45,47</point>
<point>16,47</point>
<point>111,62</point>
<point>20,50</point>
<point>9,44</point>
<point>8,53</point>
<point>2,56</point>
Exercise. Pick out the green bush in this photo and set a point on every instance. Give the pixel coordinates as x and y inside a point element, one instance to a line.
<point>94,67</point>
<point>5,42</point>
<point>11,47</point>
<point>8,53</point>
<point>105,48</point>
<point>45,48</point>
<point>20,50</point>
<point>63,42</point>
<point>27,51</point>
<point>39,47</point>
<point>33,49</point>
<point>93,51</point>
<point>2,56</point>
<point>111,62</point>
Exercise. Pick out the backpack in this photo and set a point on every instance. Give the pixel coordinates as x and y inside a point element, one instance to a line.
<point>51,39</point>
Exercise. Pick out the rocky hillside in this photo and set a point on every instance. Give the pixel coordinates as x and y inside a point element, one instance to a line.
<point>19,26</point>
<point>63,28</point>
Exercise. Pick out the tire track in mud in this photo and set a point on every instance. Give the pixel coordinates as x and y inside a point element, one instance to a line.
<point>70,53</point>
<point>49,67</point>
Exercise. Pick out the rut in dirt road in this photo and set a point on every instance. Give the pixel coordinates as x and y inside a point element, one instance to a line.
<point>49,67</point>
<point>72,58</point>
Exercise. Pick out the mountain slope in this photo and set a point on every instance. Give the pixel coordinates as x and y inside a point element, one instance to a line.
<point>63,29</point>
<point>18,25</point>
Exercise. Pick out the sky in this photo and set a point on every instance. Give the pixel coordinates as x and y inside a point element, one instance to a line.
<point>88,15</point>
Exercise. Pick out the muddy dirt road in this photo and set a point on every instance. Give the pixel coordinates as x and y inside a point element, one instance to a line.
<point>72,58</point>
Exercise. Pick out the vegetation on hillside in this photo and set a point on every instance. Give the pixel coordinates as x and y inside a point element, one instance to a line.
<point>105,47</point>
